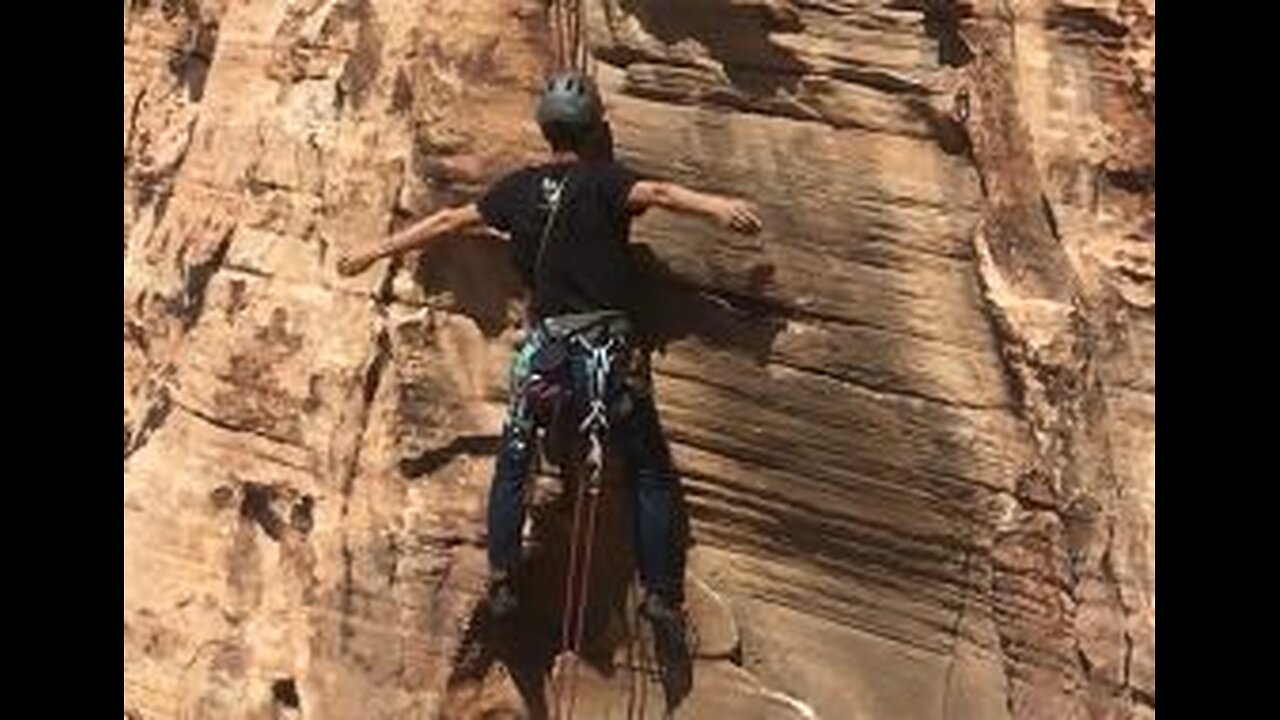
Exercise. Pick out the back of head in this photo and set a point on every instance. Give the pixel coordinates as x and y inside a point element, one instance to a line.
<point>570,110</point>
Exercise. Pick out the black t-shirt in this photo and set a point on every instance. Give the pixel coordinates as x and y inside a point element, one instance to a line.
<point>584,265</point>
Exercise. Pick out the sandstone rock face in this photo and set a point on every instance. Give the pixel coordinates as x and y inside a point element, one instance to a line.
<point>914,418</point>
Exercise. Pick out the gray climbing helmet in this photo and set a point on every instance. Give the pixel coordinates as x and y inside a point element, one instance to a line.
<point>570,98</point>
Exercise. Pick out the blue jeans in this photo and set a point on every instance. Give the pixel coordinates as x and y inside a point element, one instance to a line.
<point>651,475</point>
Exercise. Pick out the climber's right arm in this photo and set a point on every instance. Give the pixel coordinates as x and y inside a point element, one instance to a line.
<point>733,213</point>
<point>442,222</point>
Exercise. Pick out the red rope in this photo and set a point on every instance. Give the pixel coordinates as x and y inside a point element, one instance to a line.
<point>585,579</point>
<point>568,24</point>
<point>578,584</point>
<point>568,21</point>
<point>566,616</point>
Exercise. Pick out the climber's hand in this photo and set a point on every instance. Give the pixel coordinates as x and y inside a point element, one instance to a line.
<point>354,263</point>
<point>739,216</point>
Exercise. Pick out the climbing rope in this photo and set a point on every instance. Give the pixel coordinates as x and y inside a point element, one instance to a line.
<point>569,41</point>
<point>569,36</point>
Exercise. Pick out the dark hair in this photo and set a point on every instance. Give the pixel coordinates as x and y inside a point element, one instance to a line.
<point>566,136</point>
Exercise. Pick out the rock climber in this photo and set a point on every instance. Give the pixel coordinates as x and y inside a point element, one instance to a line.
<point>568,219</point>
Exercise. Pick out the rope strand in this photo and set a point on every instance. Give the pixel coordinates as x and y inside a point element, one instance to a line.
<point>568,25</point>
<point>569,36</point>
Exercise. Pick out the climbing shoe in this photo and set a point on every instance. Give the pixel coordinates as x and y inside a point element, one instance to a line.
<point>502,596</point>
<point>668,622</point>
<point>674,664</point>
